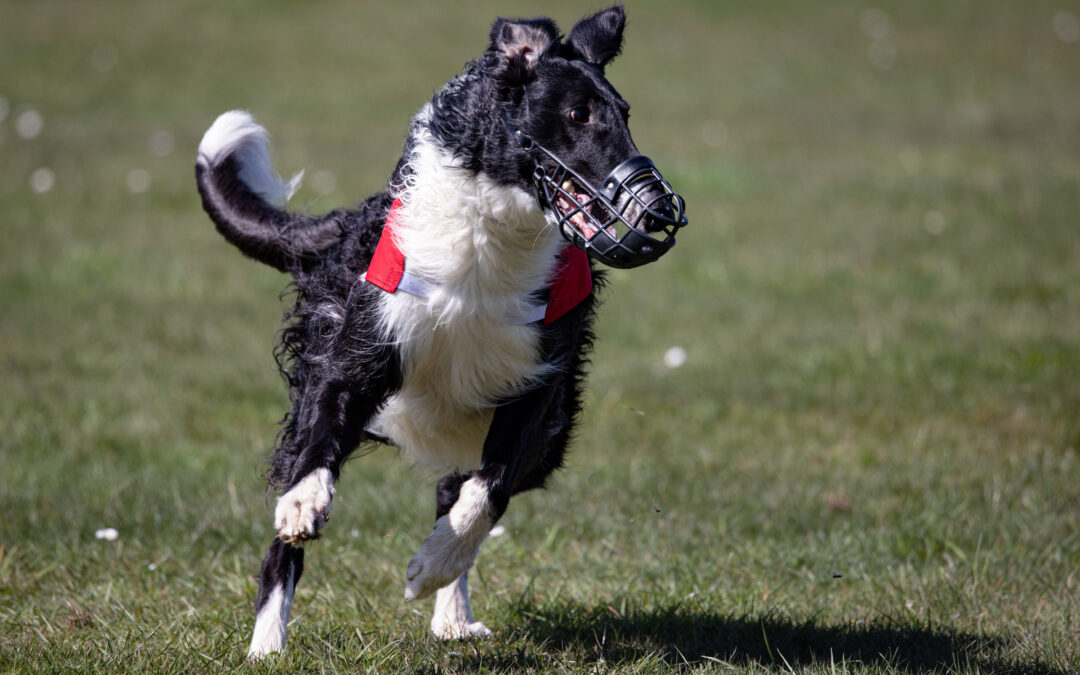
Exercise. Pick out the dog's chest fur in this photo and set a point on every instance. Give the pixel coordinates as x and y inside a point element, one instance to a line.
<point>486,247</point>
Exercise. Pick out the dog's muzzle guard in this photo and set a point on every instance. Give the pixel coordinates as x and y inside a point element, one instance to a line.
<point>629,221</point>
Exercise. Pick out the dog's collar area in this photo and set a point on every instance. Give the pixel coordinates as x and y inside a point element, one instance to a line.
<point>629,221</point>
<point>569,286</point>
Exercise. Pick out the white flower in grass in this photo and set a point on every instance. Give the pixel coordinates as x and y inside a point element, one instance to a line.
<point>934,222</point>
<point>29,123</point>
<point>675,357</point>
<point>107,533</point>
<point>138,181</point>
<point>42,180</point>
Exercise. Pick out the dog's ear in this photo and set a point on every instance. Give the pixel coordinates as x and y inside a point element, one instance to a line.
<point>598,39</point>
<point>518,45</point>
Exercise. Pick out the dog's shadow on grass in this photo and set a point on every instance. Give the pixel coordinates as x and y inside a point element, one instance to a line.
<point>675,637</point>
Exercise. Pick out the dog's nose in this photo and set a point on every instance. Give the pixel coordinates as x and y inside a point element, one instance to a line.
<point>641,196</point>
<point>648,206</point>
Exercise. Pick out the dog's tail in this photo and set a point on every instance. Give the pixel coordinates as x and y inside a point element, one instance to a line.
<point>245,197</point>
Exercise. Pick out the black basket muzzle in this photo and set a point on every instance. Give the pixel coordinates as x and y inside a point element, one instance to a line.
<point>630,220</point>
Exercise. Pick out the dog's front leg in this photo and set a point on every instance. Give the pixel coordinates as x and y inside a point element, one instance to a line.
<point>329,422</point>
<point>326,435</point>
<point>313,457</point>
<point>515,436</point>
<point>280,573</point>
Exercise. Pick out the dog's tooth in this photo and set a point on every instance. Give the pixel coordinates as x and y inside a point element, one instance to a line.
<point>568,185</point>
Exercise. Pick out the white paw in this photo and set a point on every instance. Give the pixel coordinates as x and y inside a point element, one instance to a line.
<point>460,631</point>
<point>443,558</point>
<point>453,618</point>
<point>450,549</point>
<point>270,623</point>
<point>305,508</point>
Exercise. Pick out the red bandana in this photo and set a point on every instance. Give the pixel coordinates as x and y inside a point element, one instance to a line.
<point>571,283</point>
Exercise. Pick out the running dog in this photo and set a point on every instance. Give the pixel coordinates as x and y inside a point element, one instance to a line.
<point>450,314</point>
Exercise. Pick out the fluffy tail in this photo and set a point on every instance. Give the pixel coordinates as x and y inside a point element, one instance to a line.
<point>245,197</point>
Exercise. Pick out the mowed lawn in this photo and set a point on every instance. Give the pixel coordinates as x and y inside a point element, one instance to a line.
<point>835,430</point>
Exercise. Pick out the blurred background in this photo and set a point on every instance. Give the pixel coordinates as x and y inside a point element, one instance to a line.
<point>840,420</point>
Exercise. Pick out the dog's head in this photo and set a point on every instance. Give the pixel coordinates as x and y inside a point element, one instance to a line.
<point>571,125</point>
<point>550,121</point>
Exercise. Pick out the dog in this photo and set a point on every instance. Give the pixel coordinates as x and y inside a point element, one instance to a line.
<point>449,315</point>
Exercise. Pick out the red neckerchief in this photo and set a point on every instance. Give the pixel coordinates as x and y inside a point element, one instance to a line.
<point>570,284</point>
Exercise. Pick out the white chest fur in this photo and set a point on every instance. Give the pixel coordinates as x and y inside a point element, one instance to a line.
<point>485,247</point>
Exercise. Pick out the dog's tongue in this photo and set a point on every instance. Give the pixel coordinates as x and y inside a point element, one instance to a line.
<point>579,218</point>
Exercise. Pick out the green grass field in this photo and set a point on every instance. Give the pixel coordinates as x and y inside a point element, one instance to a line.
<point>868,463</point>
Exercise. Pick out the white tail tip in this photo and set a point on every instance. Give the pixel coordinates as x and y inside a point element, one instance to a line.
<point>236,133</point>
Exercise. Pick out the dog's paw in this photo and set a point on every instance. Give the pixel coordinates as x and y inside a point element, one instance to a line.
<point>450,549</point>
<point>304,509</point>
<point>425,575</point>
<point>448,630</point>
<point>453,618</point>
<point>444,557</point>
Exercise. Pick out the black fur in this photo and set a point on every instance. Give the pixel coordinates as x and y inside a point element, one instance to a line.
<point>282,563</point>
<point>280,239</point>
<point>598,41</point>
<point>339,371</point>
<point>338,366</point>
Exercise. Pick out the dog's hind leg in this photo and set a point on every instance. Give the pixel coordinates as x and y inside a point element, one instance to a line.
<point>453,617</point>
<point>277,583</point>
<point>516,433</point>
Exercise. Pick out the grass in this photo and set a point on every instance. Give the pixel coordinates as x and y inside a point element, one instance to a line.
<point>868,464</point>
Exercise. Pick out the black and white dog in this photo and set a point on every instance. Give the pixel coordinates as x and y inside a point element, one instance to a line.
<point>447,316</point>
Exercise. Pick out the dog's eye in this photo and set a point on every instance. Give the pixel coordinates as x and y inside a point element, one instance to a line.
<point>580,115</point>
